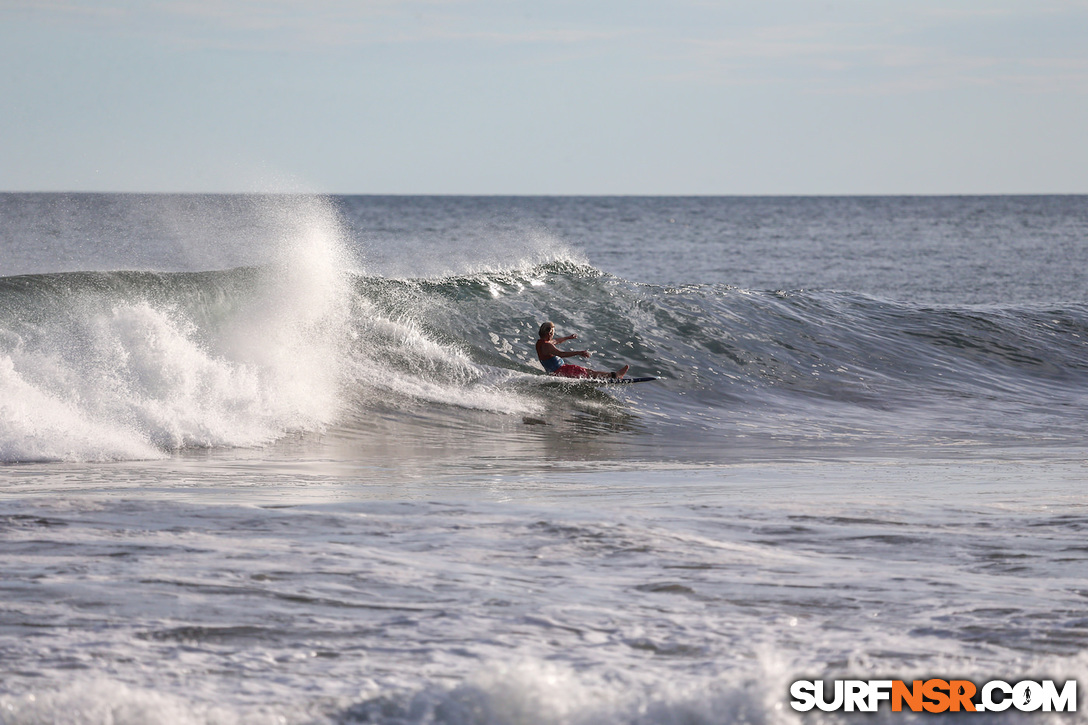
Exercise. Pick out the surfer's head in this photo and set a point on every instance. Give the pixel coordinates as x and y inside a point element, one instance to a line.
<point>546,330</point>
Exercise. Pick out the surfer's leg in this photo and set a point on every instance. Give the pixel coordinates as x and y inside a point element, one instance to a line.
<point>577,371</point>
<point>574,371</point>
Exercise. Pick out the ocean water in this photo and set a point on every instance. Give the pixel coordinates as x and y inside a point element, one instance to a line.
<point>290,459</point>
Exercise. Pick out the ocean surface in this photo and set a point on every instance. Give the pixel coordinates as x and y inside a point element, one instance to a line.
<point>291,459</point>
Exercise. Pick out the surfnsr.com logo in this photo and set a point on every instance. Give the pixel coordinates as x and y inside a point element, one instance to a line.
<point>934,696</point>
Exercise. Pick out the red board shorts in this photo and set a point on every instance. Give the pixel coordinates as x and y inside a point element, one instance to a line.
<point>572,371</point>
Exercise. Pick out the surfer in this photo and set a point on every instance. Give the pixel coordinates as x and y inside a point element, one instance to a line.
<point>551,357</point>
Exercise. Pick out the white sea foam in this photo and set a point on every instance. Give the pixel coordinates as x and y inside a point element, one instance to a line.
<point>518,693</point>
<point>397,360</point>
<point>134,377</point>
<point>37,425</point>
<point>549,694</point>
<point>524,693</point>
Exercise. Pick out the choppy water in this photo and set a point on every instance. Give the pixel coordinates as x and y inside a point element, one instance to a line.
<point>292,458</point>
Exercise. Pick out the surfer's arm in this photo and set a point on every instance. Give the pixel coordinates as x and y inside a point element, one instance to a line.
<point>548,349</point>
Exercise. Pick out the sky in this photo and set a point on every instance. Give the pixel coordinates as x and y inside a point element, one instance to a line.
<point>556,97</point>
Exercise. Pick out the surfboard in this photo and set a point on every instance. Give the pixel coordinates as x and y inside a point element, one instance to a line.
<point>596,381</point>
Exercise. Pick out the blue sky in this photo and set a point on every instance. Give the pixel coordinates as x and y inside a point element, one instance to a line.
<point>510,97</point>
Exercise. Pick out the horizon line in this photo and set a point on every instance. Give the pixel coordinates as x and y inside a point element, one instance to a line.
<point>496,195</point>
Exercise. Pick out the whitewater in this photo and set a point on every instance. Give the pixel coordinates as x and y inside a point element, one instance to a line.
<point>278,458</point>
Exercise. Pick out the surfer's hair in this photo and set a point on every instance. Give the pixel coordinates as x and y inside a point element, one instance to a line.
<point>546,328</point>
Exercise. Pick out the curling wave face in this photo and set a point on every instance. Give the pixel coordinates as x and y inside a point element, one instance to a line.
<point>118,365</point>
